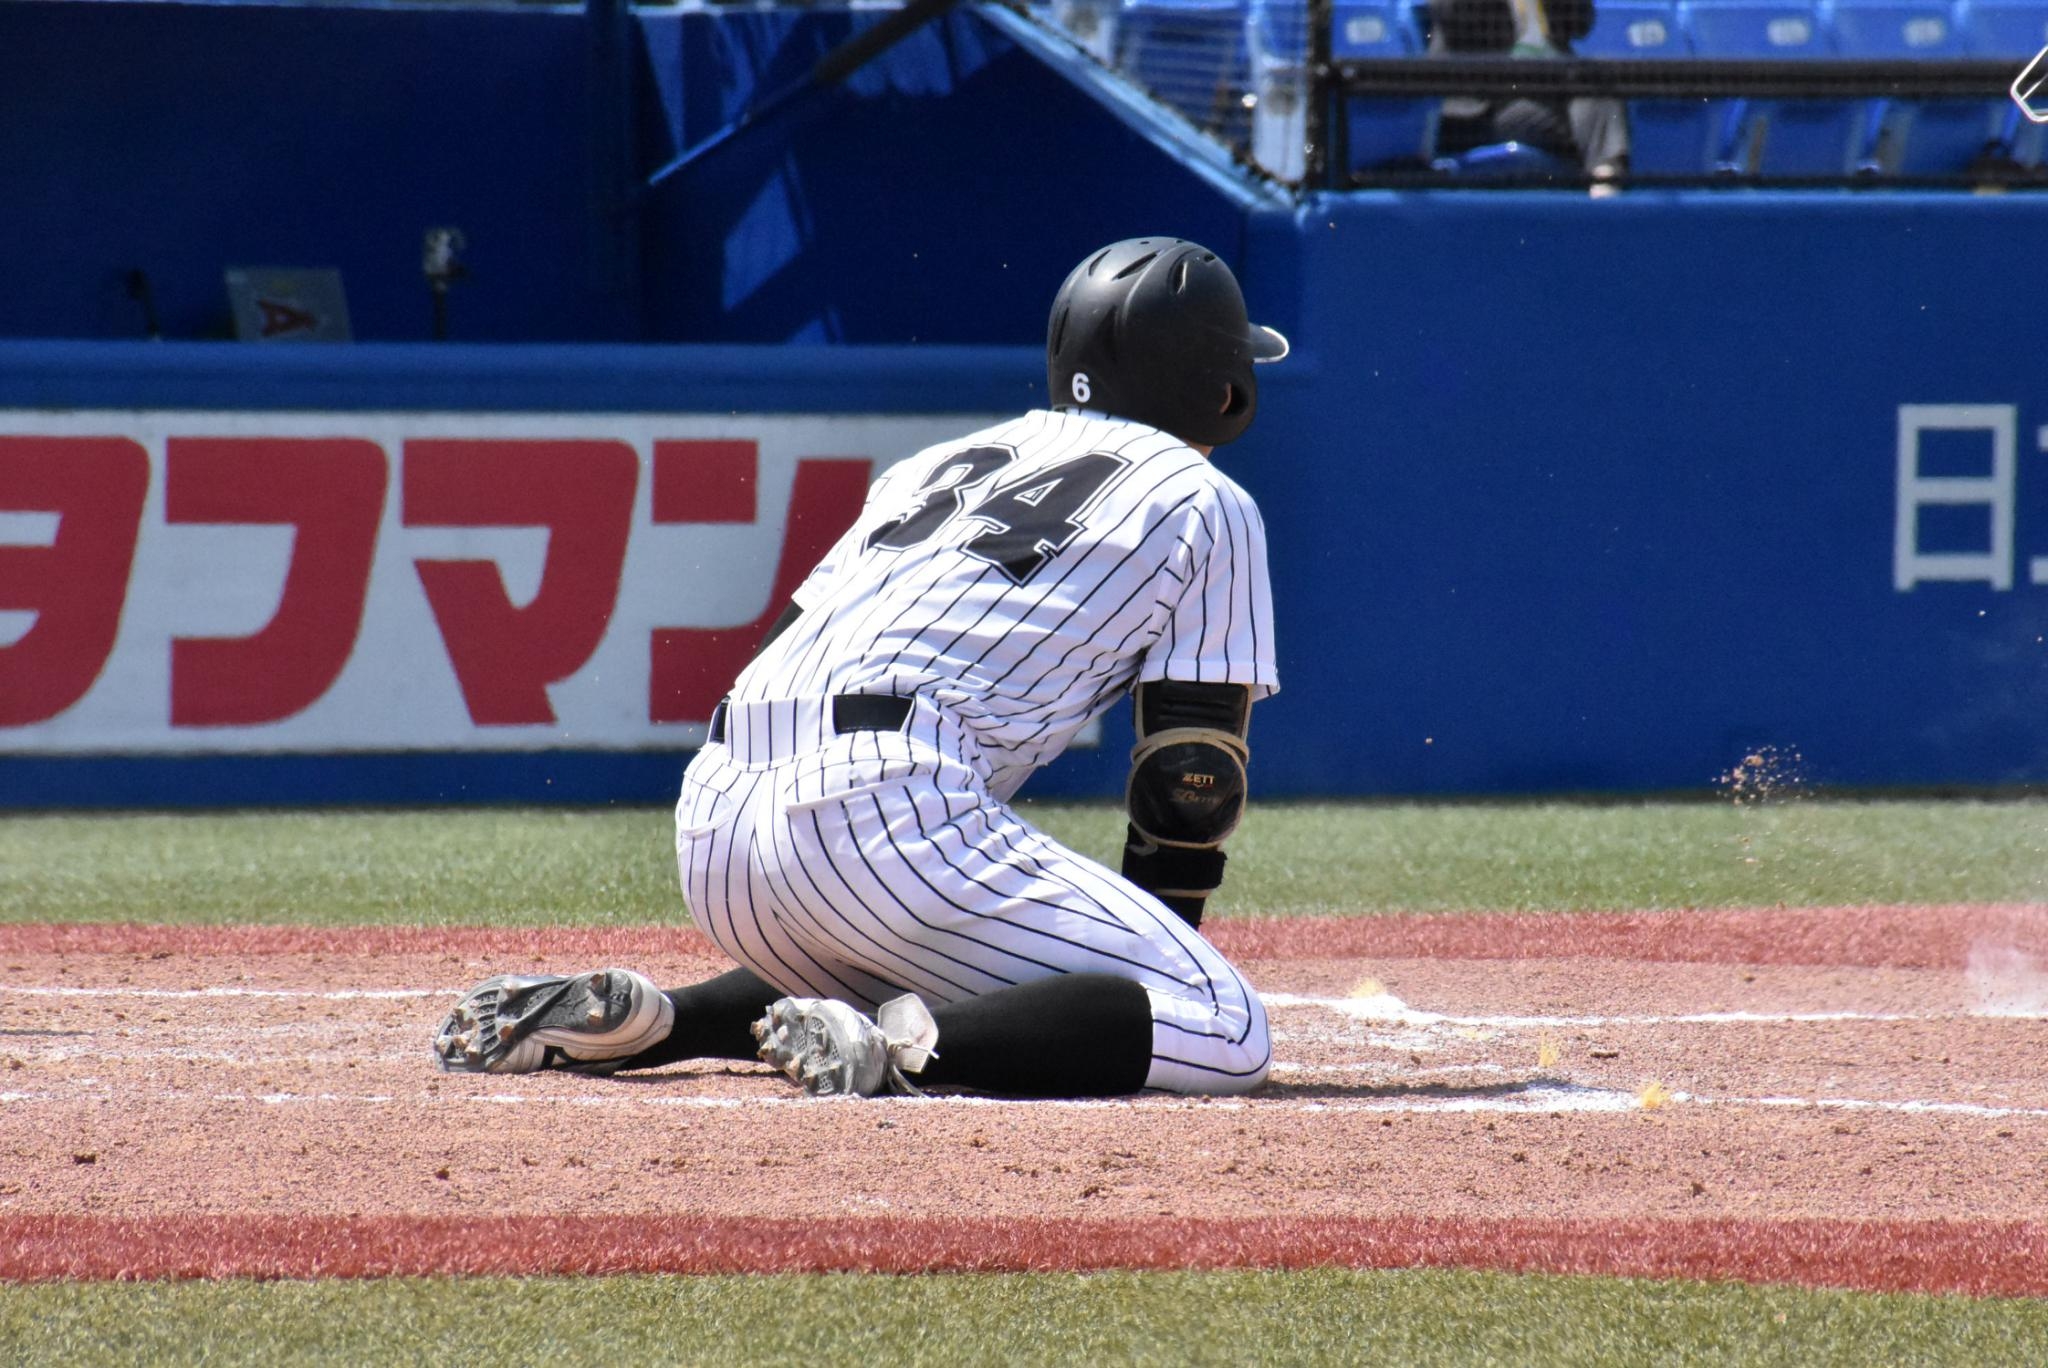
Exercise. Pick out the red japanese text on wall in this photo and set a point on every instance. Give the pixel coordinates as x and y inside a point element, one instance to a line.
<point>249,582</point>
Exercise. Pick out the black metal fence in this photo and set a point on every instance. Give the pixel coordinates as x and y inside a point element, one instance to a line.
<point>1600,93</point>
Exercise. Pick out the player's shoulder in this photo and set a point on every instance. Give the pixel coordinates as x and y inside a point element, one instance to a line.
<point>1229,491</point>
<point>1162,458</point>
<point>1179,471</point>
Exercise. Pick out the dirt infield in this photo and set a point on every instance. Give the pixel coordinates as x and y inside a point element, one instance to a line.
<point>1846,1097</point>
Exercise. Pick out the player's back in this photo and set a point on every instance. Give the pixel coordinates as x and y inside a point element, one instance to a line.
<point>1023,577</point>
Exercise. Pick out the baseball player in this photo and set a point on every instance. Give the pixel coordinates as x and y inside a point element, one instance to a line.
<point>846,833</point>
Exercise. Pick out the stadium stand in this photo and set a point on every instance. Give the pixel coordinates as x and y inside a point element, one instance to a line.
<point>2012,30</point>
<point>1634,30</point>
<point>2003,28</point>
<point>1665,136</point>
<point>1908,136</point>
<point>1772,137</point>
<point>1501,133</point>
<point>1383,132</point>
<point>1243,71</point>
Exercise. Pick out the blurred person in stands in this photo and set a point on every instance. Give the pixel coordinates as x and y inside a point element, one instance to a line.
<point>1593,133</point>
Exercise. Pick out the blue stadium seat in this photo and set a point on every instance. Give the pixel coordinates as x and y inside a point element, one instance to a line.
<point>1381,132</point>
<point>1634,29</point>
<point>2013,30</point>
<point>1191,55</point>
<point>1665,136</point>
<point>1774,137</point>
<point>2003,28</point>
<point>1913,137</point>
<point>1896,28</point>
<point>1373,28</point>
<point>1505,159</point>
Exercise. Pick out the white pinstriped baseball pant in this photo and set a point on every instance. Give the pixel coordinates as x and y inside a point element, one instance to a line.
<point>863,865</point>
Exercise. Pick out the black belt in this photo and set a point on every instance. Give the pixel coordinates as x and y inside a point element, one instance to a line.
<point>850,713</point>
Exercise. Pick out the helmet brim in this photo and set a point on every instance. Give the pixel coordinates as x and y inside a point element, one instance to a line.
<point>1267,344</point>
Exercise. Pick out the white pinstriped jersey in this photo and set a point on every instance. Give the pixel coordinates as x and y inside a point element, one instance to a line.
<point>1025,576</point>
<point>1015,582</point>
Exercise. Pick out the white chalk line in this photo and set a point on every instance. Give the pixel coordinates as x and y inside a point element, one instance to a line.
<point>1392,1074</point>
<point>1910,1105</point>
<point>284,1058</point>
<point>334,995</point>
<point>1382,1009</point>
<point>58,1054</point>
<point>1542,1097</point>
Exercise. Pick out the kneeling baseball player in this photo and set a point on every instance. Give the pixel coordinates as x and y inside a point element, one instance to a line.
<point>846,833</point>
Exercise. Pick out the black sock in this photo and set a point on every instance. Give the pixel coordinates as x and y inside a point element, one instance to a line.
<point>1073,1035</point>
<point>712,1020</point>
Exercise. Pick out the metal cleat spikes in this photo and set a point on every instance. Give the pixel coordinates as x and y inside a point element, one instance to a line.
<point>832,1050</point>
<point>519,1023</point>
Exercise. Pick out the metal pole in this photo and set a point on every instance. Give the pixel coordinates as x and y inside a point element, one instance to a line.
<point>1322,90</point>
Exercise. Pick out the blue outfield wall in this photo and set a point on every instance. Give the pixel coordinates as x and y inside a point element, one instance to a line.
<point>1606,496</point>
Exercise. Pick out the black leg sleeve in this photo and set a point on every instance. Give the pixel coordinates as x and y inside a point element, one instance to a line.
<point>1074,1035</point>
<point>711,1020</point>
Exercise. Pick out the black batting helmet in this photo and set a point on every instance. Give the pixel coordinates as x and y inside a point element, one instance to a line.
<point>1154,329</point>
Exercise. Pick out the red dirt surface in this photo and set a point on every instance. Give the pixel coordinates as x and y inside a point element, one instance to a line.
<point>1843,1097</point>
<point>2002,1259</point>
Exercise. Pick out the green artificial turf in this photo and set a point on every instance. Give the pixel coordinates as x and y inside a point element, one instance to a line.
<point>509,866</point>
<point>1336,858</point>
<point>1316,1317</point>
<point>614,867</point>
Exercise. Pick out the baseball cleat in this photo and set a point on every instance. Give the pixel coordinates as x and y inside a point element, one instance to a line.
<point>518,1023</point>
<point>831,1050</point>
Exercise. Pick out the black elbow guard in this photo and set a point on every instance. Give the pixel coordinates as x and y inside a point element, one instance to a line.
<point>1187,789</point>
